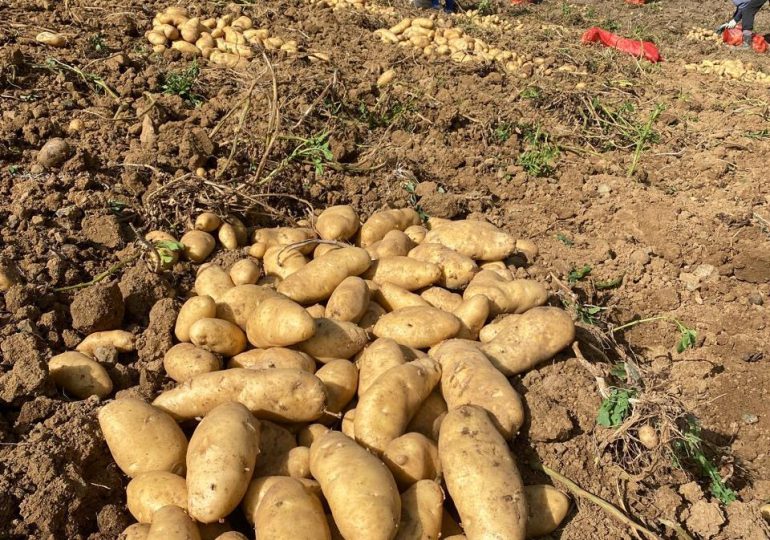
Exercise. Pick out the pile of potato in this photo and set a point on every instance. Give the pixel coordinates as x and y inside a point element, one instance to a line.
<point>226,40</point>
<point>361,5</point>
<point>731,69</point>
<point>492,22</point>
<point>697,33</point>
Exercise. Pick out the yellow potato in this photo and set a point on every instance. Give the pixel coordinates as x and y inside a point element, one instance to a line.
<point>457,270</point>
<point>348,423</point>
<point>405,272</point>
<point>418,327</point>
<point>191,30</point>
<point>309,433</point>
<point>284,395</point>
<point>288,511</point>
<point>358,487</point>
<point>468,378</point>
<point>442,299</point>
<point>334,339</point>
<point>229,535</point>
<point>274,357</point>
<point>213,281</point>
<point>341,380</point>
<point>159,236</point>
<point>276,443</point>
<point>259,487</point>
<point>245,272</point>
<point>421,507</point>
<point>412,457</point>
<point>220,461</point>
<point>371,316</point>
<point>142,438</point>
<point>172,523</point>
<point>216,335</point>
<point>121,340</point>
<point>381,223</point>
<point>473,314</point>
<point>478,240</point>
<point>427,418</point>
<point>499,268</point>
<point>186,48</point>
<point>487,489</point>
<point>337,223</point>
<point>349,301</point>
<point>284,236</point>
<point>377,358</point>
<point>198,245</point>
<point>194,309</point>
<point>395,243</point>
<point>279,322</point>
<point>393,297</point>
<point>239,303</point>
<point>322,249</point>
<point>151,491</point>
<point>316,281</point>
<point>416,233</point>
<point>317,311</point>
<point>79,376</point>
<point>283,261</point>
<point>504,296</point>
<point>528,248</point>
<point>387,406</point>
<point>49,38</point>
<point>137,531</point>
<point>547,509</point>
<point>184,361</point>
<point>523,341</point>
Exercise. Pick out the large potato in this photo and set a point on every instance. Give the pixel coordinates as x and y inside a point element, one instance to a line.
<point>184,361</point>
<point>172,523</point>
<point>418,327</point>
<point>194,309</point>
<point>393,297</point>
<point>216,335</point>
<point>547,509</point>
<point>477,240</point>
<point>274,357</point>
<point>381,223</point>
<point>523,341</point>
<point>412,457</point>
<point>481,476</point>
<point>284,395</point>
<point>259,487</point>
<point>288,511</point>
<point>121,340</point>
<point>440,298</point>
<point>468,378</point>
<point>220,461</point>
<point>393,243</point>
<point>151,491</point>
<point>316,281</point>
<point>341,380</point>
<point>349,301</point>
<point>473,313</point>
<point>198,245</point>
<point>457,270</point>
<point>387,406</point>
<point>279,322</point>
<point>421,507</point>
<point>504,296</point>
<point>278,454</point>
<point>79,376</point>
<point>142,438</point>
<point>238,304</point>
<point>334,339</point>
<point>377,358</point>
<point>427,418</point>
<point>359,488</point>
<point>406,272</point>
<point>337,223</point>
<point>283,261</point>
<point>213,281</point>
<point>284,236</point>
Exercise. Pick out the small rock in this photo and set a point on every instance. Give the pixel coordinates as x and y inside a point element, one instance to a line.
<point>604,189</point>
<point>106,356</point>
<point>705,519</point>
<point>691,281</point>
<point>97,308</point>
<point>640,257</point>
<point>750,418</point>
<point>756,299</point>
<point>54,153</point>
<point>704,271</point>
<point>8,276</point>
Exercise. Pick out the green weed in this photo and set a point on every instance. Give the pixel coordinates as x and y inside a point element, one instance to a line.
<point>538,159</point>
<point>687,336</point>
<point>530,92</point>
<point>564,239</point>
<point>168,251</point>
<point>410,188</point>
<point>616,407</point>
<point>96,42</point>
<point>182,83</point>
<point>578,274</point>
<point>390,114</point>
<point>485,7</point>
<point>502,132</point>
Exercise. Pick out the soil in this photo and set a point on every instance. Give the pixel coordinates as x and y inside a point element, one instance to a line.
<point>688,231</point>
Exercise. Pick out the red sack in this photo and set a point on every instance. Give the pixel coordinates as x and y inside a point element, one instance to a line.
<point>519,2</point>
<point>734,37</point>
<point>636,2</point>
<point>759,44</point>
<point>640,49</point>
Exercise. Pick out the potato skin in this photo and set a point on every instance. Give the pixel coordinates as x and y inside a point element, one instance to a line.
<point>393,297</point>
<point>334,339</point>
<point>349,301</point>
<point>547,509</point>
<point>274,357</point>
<point>194,309</point>
<point>207,222</point>
<point>337,223</point>
<point>316,281</point>
<point>505,296</point>
<point>198,245</point>
<point>151,491</point>
<point>416,233</point>
<point>283,261</point>
<point>284,236</point>
<point>276,453</point>
<point>359,488</point>
<point>477,240</point>
<point>239,303</point>
<point>419,327</point>
<point>220,461</point>
<point>245,272</point>
<point>424,420</point>
<point>380,223</point>
<point>259,487</point>
<point>279,322</point>
<point>442,299</point>
<point>137,531</point>
<point>412,457</point>
<point>371,316</point>
<point>309,433</point>
<point>341,380</point>
<point>288,511</point>
<point>142,438</point>
<point>120,339</point>
<point>184,361</point>
<point>457,270</point>
<point>79,376</point>
<point>213,281</point>
<point>377,358</point>
<point>218,336</point>
<point>393,243</point>
<point>481,476</point>
<point>406,272</point>
<point>172,523</point>
<point>421,507</point>
<point>473,313</point>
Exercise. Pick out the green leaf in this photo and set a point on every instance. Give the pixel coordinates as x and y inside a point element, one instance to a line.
<point>564,239</point>
<point>170,245</point>
<point>611,284</point>
<point>619,371</point>
<point>615,408</point>
<point>577,274</point>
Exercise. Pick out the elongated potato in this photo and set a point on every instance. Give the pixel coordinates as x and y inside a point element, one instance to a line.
<point>418,327</point>
<point>477,240</point>
<point>151,491</point>
<point>473,313</point>
<point>220,461</point>
<point>279,322</point>
<point>349,301</point>
<point>184,361</point>
<point>405,272</point>
<point>341,380</point>
<point>284,395</point>
<point>79,376</point>
<point>425,420</point>
<point>381,223</point>
<point>416,233</point>
<point>387,406</point>
<point>442,299</point>
<point>172,523</point>
<point>412,457</point>
<point>121,340</point>
<point>309,433</point>
<point>468,378</point>
<point>259,487</point>
<point>421,507</point>
<point>334,339</point>
<point>371,316</point>
<point>213,281</point>
<point>337,223</point>
<point>245,272</point>
<point>393,297</point>
<point>198,245</point>
<point>524,341</point>
<point>238,304</point>
<point>457,270</point>
<point>274,357</point>
<point>395,243</point>
<point>216,335</point>
<point>288,511</point>
<point>142,438</point>
<point>137,531</point>
<point>284,236</point>
<point>481,476</point>
<point>377,358</point>
<point>515,296</point>
<point>316,281</point>
<point>194,309</point>
<point>359,488</point>
<point>547,509</point>
<point>322,249</point>
<point>283,261</point>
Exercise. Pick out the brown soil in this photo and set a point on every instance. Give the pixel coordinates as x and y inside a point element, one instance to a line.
<point>689,231</point>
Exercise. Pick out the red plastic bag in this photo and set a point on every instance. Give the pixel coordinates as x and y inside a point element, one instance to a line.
<point>759,44</point>
<point>519,2</point>
<point>640,49</point>
<point>636,2</point>
<point>734,37</point>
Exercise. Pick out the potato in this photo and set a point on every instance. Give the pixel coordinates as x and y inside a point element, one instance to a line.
<point>79,376</point>
<point>220,461</point>
<point>322,249</point>
<point>648,436</point>
<point>478,240</point>
<point>284,395</point>
<point>473,313</point>
<point>274,357</point>
<point>142,438</point>
<point>523,341</point>
<point>442,299</point>
<point>395,243</point>
<point>381,223</point>
<point>416,233</point>
<point>245,272</point>
<point>183,361</point>
<point>481,476</point>
<point>239,303</point>
<point>347,425</point>
<point>377,358</point>
<point>528,248</point>
<point>159,236</point>
<point>334,339</point>
<point>279,322</point>
<point>547,509</point>
<point>387,406</point>
<point>425,420</point>
<point>405,272</point>
<point>421,507</point>
<point>287,511</point>
<point>259,487</point>
<point>151,491</point>
<point>137,531</point>
<point>198,245</point>
<point>316,281</point>
<point>412,457</point>
<point>341,380</point>
<point>337,223</point>
<point>120,340</point>
<point>358,487</point>
<point>283,261</point>
<point>216,335</point>
<point>275,444</point>
<point>213,281</point>
<point>393,297</point>
<point>515,296</point>
<point>284,236</point>
<point>172,523</point>
<point>193,310</point>
<point>229,535</point>
<point>499,268</point>
<point>418,327</point>
<point>317,311</point>
<point>50,38</point>
<point>309,433</point>
<point>371,316</point>
<point>468,378</point>
<point>349,301</point>
<point>457,270</point>
<point>191,30</point>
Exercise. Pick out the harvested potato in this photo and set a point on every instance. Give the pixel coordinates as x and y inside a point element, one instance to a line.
<point>515,296</point>
<point>442,299</point>
<point>359,488</point>
<point>421,507</point>
<point>220,461</point>
<point>283,261</point>
<point>387,406</point>
<point>79,376</point>
<point>349,301</point>
<point>334,339</point>
<point>184,361</point>
<point>381,223</point>
<point>142,438</point>
<point>284,236</point>
<point>316,281</point>
<point>393,297</point>
<point>412,457</point>
<point>418,327</point>
<point>316,311</point>
<point>468,378</point>
<point>341,380</point>
<point>416,233</point>
<point>279,322</point>
<point>287,511</point>
<point>405,272</point>
<point>172,523</point>
<point>377,358</point>
<point>213,281</point>
<point>245,272</point>
<point>284,395</point>
<point>259,487</point>
<point>648,436</point>
<point>51,39</point>
<point>322,249</point>
<point>348,423</point>
<point>194,309</point>
<point>120,340</point>
<point>229,535</point>
<point>478,240</point>
<point>528,248</point>
<point>274,357</point>
<point>457,270</point>
<point>216,335</point>
<point>487,490</point>
<point>309,433</point>
<point>337,223</point>
<point>275,444</point>
<point>499,268</point>
<point>238,304</point>
<point>523,341</point>
<point>395,243</point>
<point>547,509</point>
<point>473,313</point>
<point>426,420</point>
<point>137,531</point>
<point>151,491</point>
<point>198,245</point>
<point>371,316</point>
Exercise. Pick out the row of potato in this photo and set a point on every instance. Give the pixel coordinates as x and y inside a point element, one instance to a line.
<point>491,22</point>
<point>731,69</point>
<point>360,5</point>
<point>697,33</point>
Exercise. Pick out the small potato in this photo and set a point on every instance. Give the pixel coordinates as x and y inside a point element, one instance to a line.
<point>426,420</point>
<point>288,511</point>
<point>337,223</point>
<point>172,523</point>
<point>547,509</point>
<point>457,270</point>
<point>478,240</point>
<point>284,236</point>
<point>156,37</point>
<point>259,487</point>
<point>159,236</point>
<point>191,30</point>
<point>393,297</point>
<point>371,316</point>
<point>283,261</point>
<point>213,281</point>
<point>442,299</point>
<point>194,309</point>
<point>198,245</point>
<point>151,491</point>
<point>186,48</point>
<point>416,233</point>
<point>317,311</point>
<point>142,438</point>
<point>381,223</point>
<point>309,433</point>
<point>528,248</point>
<point>349,301</point>
<point>279,322</point>
<point>348,423</point>
<point>418,327</point>
<point>137,531</point>
<point>245,272</point>
<point>239,303</point>
<point>377,358</point>
<point>79,376</point>
<point>51,39</point>
<point>334,339</point>
<point>473,313</point>
<point>341,380</point>
<point>228,237</point>
<point>184,361</point>
<point>358,487</point>
<point>395,243</point>
<point>405,272</point>
<point>274,357</point>
<point>241,23</point>
<point>316,281</point>
<point>412,457</point>
<point>504,296</point>
<point>121,340</point>
<point>421,512</point>
<point>216,335</point>
<point>226,59</point>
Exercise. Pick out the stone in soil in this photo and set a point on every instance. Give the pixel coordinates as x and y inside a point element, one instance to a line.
<point>97,308</point>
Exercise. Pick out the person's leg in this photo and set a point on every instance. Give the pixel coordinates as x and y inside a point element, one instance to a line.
<point>749,12</point>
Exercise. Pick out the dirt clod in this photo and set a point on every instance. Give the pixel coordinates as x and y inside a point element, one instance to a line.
<point>97,308</point>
